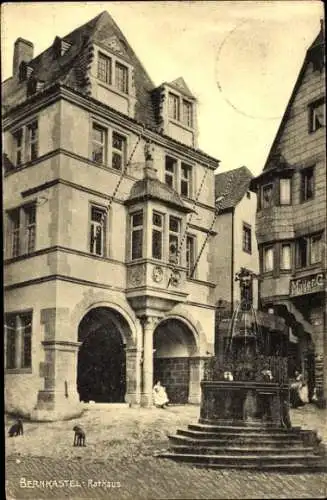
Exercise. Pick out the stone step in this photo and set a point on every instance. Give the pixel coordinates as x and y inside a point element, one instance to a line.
<point>238,434</point>
<point>241,450</point>
<point>244,429</point>
<point>294,467</point>
<point>240,440</point>
<point>236,460</point>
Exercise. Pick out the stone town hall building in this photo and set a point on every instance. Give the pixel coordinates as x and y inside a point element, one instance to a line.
<point>107,201</point>
<point>291,224</point>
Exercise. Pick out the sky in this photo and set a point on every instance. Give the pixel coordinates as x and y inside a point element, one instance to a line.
<point>239,58</point>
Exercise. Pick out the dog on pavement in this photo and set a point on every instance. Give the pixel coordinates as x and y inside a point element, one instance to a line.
<point>79,437</point>
<point>16,429</point>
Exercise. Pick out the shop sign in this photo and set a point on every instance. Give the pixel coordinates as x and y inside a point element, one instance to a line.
<point>308,284</point>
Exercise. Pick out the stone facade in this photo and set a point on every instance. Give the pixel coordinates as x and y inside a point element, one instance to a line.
<point>99,199</point>
<point>291,222</point>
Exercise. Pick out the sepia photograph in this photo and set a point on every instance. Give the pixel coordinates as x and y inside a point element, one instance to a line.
<point>164,249</point>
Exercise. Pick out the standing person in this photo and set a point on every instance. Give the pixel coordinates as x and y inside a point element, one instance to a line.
<point>298,391</point>
<point>160,397</point>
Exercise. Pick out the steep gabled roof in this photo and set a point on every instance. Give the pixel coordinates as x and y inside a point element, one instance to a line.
<point>180,85</point>
<point>70,68</point>
<point>232,185</point>
<point>314,55</point>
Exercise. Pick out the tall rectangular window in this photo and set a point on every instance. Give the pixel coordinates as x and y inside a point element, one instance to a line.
<point>118,151</point>
<point>268,259</point>
<point>18,140</point>
<point>307,184</point>
<point>22,230</point>
<point>173,106</point>
<point>285,257</point>
<point>99,143</point>
<point>187,112</point>
<point>104,68</point>
<point>190,254</point>
<point>32,141</point>
<point>18,340</point>
<point>137,235</point>
<point>247,238</point>
<point>170,171</point>
<point>317,117</point>
<point>97,230</point>
<point>157,233</point>
<point>121,77</point>
<point>174,233</point>
<point>186,179</point>
<point>285,191</point>
<point>267,196</point>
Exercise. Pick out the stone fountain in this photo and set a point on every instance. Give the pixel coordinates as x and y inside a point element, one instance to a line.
<point>244,416</point>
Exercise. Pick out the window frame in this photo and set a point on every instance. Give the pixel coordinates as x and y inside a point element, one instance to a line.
<point>171,174</point>
<point>119,152</point>
<point>19,336</point>
<point>103,144</point>
<point>281,258</point>
<point>265,250</point>
<point>190,265</point>
<point>122,85</point>
<point>159,229</point>
<point>186,180</point>
<point>247,244</point>
<point>312,117</point>
<point>271,203</point>
<point>18,236</point>
<point>28,150</point>
<point>134,229</point>
<point>304,183</point>
<point>32,142</point>
<point>289,202</point>
<point>108,64</point>
<point>96,224</point>
<point>172,234</point>
<point>308,250</point>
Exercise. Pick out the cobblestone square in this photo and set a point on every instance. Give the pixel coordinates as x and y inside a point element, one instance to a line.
<point>118,461</point>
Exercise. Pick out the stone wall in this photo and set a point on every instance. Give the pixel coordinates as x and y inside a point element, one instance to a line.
<point>174,374</point>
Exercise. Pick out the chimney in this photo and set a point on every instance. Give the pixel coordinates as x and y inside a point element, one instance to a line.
<point>23,51</point>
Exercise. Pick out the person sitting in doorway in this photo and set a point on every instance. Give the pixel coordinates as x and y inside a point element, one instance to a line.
<point>298,391</point>
<point>160,398</point>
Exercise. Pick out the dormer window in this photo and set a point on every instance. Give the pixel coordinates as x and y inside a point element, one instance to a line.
<point>180,110</point>
<point>104,68</point>
<point>173,106</point>
<point>121,75</point>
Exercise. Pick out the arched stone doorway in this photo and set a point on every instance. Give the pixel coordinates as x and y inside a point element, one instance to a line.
<point>101,370</point>
<point>174,361</point>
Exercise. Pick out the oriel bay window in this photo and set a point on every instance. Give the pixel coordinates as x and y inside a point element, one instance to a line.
<point>22,230</point>
<point>137,235</point>
<point>97,230</point>
<point>18,340</point>
<point>157,235</point>
<point>174,235</point>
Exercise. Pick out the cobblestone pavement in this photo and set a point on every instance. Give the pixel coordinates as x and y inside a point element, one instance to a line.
<point>119,463</point>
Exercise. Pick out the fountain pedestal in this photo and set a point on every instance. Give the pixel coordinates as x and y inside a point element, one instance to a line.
<point>244,403</point>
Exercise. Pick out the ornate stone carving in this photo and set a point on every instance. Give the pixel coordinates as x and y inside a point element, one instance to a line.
<point>136,275</point>
<point>157,274</point>
<point>175,278</point>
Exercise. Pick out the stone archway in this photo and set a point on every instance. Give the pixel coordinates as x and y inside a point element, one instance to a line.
<point>101,368</point>
<point>174,360</point>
